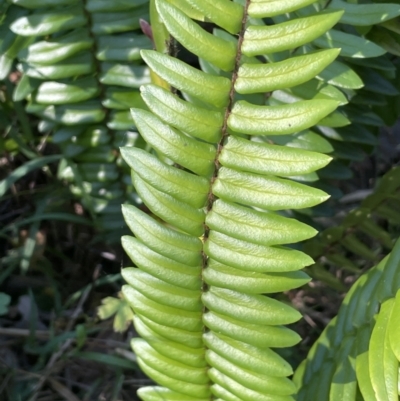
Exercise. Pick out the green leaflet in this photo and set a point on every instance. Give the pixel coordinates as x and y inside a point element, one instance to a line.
<point>225,276</point>
<point>52,51</point>
<point>169,243</point>
<point>271,8</point>
<point>166,178</point>
<point>160,266</point>
<point>365,14</point>
<point>162,314</point>
<point>122,98</point>
<point>266,228</point>
<point>236,253</point>
<point>256,335</point>
<point>179,214</point>
<point>196,39</point>
<point>80,64</point>
<point>223,393</point>
<point>194,120</point>
<point>120,120</point>
<point>307,140</point>
<point>126,48</point>
<point>251,189</point>
<point>288,35</point>
<point>72,91</point>
<point>350,45</point>
<point>124,75</point>
<point>86,112</point>
<point>226,14</point>
<point>162,363</point>
<point>191,389</point>
<point>182,149</point>
<point>241,392</point>
<point>313,89</point>
<point>335,120</point>
<point>282,120</point>
<point>194,357</point>
<point>164,293</point>
<point>209,88</point>
<point>110,22</point>
<point>341,75</point>
<point>185,337</point>
<point>188,9</point>
<point>257,157</point>
<point>255,309</point>
<point>253,380</point>
<point>253,78</point>
<point>45,24</point>
<point>247,356</point>
<point>383,364</point>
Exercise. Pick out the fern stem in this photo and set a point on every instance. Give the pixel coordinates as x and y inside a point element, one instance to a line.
<point>211,196</point>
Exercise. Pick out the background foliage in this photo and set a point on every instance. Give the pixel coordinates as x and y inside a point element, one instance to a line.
<point>70,71</point>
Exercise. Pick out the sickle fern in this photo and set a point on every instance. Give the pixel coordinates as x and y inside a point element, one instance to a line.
<point>358,354</point>
<point>214,244</point>
<point>80,71</point>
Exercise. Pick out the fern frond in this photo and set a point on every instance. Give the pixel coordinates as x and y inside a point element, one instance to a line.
<point>358,352</point>
<point>358,240</point>
<point>81,69</point>
<point>215,242</point>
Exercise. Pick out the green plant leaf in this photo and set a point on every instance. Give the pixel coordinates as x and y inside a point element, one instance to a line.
<point>196,39</point>
<point>365,14</point>
<point>195,156</point>
<point>194,120</point>
<point>260,40</point>
<point>350,45</point>
<point>253,78</point>
<point>282,120</point>
<point>271,8</point>
<point>212,89</point>
<point>226,14</point>
<point>118,307</point>
<point>267,228</point>
<point>67,92</point>
<point>394,325</point>
<point>257,157</point>
<point>48,52</point>
<point>45,24</point>
<point>383,364</point>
